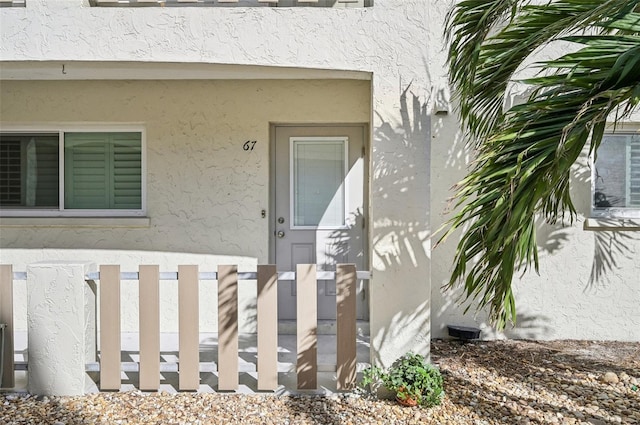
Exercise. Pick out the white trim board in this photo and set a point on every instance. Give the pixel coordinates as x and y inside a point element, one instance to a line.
<point>107,70</point>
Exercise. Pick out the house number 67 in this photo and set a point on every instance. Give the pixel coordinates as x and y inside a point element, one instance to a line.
<point>249,145</point>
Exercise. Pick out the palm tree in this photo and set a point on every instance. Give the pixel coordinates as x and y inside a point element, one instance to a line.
<point>524,154</point>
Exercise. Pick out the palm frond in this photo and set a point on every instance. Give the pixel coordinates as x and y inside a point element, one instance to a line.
<point>482,64</point>
<point>524,155</point>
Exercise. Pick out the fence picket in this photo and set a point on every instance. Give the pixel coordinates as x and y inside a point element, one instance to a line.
<point>149,327</point>
<point>267,307</point>
<point>110,327</point>
<point>189,359</point>
<point>307,323</point>
<point>227,328</point>
<point>346,326</point>
<point>6,317</point>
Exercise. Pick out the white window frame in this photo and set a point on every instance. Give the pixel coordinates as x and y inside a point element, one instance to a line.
<point>61,129</point>
<point>614,212</point>
<point>314,139</point>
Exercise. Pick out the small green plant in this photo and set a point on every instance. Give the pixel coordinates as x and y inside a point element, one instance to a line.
<point>411,378</point>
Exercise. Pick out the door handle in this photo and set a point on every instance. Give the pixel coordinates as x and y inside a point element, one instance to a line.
<point>280,234</point>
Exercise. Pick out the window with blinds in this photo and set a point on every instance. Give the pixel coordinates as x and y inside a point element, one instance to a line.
<point>616,177</point>
<point>29,170</point>
<point>101,171</point>
<point>10,172</point>
<point>633,181</point>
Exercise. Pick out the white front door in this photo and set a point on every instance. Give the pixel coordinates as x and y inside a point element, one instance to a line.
<point>319,209</point>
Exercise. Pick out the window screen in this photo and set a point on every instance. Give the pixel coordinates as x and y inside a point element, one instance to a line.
<point>617,174</point>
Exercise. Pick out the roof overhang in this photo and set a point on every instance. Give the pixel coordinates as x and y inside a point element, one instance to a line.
<point>107,70</point>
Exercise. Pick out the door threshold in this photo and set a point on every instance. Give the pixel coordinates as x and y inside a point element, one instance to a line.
<point>325,327</point>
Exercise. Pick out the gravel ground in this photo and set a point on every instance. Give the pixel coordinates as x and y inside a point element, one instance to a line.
<point>504,382</point>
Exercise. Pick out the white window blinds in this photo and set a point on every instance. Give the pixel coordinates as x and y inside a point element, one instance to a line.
<point>103,171</point>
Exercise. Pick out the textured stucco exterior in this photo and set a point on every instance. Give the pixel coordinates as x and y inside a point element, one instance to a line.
<point>588,285</point>
<point>61,337</point>
<point>204,80</point>
<point>395,44</point>
<point>205,194</point>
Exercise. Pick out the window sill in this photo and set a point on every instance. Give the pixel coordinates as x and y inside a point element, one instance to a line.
<point>607,224</point>
<point>91,222</point>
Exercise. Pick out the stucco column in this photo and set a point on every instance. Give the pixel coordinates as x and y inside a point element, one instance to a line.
<point>61,327</point>
<point>400,288</point>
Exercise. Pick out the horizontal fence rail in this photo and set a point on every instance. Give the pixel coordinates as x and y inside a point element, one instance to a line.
<point>321,275</point>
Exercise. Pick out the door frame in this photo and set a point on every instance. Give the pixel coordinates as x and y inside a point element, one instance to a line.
<point>272,179</point>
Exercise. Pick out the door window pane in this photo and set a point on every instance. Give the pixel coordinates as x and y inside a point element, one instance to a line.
<point>318,183</point>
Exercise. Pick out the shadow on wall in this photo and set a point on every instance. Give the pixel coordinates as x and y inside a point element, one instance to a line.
<point>452,158</point>
<point>400,246</point>
<point>608,248</point>
<point>529,326</point>
<point>550,239</point>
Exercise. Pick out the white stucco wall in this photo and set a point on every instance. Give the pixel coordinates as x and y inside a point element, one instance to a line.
<point>396,42</point>
<point>588,286</point>
<point>415,158</point>
<point>205,193</point>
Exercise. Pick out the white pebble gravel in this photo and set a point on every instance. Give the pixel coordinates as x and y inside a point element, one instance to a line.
<point>502,382</point>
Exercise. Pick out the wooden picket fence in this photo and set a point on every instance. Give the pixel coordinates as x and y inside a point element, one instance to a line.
<point>188,277</point>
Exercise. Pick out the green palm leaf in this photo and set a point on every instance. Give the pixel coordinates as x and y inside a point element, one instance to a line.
<point>524,155</point>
